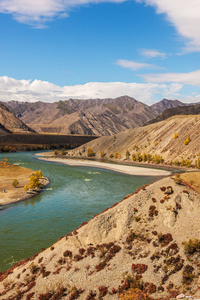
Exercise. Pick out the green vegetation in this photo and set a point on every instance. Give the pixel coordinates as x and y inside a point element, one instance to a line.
<point>15,183</point>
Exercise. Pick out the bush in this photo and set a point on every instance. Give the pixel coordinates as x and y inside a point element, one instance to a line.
<point>117,155</point>
<point>111,155</point>
<point>175,135</point>
<point>192,246</point>
<point>102,154</point>
<point>127,154</point>
<point>15,183</point>
<point>186,142</point>
<point>90,152</point>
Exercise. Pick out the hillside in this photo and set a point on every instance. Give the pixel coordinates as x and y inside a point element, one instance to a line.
<point>152,139</point>
<point>133,250</point>
<point>180,110</point>
<point>11,124</point>
<point>164,104</point>
<point>86,117</point>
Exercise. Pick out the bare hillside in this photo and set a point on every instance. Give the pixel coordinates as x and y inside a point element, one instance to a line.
<point>133,250</point>
<point>86,117</point>
<point>11,124</point>
<point>165,138</point>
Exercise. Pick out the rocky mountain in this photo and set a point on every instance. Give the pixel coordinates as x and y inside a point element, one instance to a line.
<point>155,139</point>
<point>145,247</point>
<point>11,124</point>
<point>90,117</point>
<point>180,110</point>
<point>164,104</point>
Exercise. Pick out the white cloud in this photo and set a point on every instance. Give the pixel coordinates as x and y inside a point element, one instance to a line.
<point>151,53</point>
<point>37,12</point>
<point>37,90</point>
<point>134,65</point>
<point>191,78</point>
<point>184,15</point>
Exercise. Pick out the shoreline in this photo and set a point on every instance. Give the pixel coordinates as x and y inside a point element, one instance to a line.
<point>125,169</point>
<point>25,195</point>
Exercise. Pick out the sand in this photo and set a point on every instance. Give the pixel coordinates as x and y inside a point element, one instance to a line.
<point>126,169</point>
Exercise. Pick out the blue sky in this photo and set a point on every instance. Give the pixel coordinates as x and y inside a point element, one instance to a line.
<point>59,49</point>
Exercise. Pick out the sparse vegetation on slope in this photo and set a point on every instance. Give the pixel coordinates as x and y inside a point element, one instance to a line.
<point>113,256</point>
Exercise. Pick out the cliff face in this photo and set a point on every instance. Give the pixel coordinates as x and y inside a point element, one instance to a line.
<point>134,248</point>
<point>157,138</point>
<point>11,124</point>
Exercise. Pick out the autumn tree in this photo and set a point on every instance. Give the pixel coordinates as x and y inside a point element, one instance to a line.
<point>5,161</point>
<point>26,188</point>
<point>15,183</point>
<point>90,152</point>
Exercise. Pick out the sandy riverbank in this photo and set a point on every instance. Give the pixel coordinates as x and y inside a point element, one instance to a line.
<point>13,194</point>
<point>126,169</point>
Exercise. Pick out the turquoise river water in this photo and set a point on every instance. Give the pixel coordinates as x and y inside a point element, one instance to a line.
<point>74,195</point>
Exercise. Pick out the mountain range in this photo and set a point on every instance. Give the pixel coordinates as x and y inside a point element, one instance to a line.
<point>88,117</point>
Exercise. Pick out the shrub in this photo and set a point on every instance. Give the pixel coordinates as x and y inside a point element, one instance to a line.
<point>187,141</point>
<point>139,268</point>
<point>117,155</point>
<point>26,188</point>
<point>90,152</point>
<point>111,155</point>
<point>67,253</point>
<point>127,154</point>
<point>102,154</point>
<point>175,135</point>
<point>188,274</point>
<point>15,183</point>
<point>192,246</point>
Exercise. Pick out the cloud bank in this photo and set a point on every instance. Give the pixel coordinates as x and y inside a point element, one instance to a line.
<point>37,90</point>
<point>191,78</point>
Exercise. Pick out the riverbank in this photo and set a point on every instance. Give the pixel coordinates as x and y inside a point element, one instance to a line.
<point>125,169</point>
<point>10,194</point>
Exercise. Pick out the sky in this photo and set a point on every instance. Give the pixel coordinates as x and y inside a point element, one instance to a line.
<point>53,50</point>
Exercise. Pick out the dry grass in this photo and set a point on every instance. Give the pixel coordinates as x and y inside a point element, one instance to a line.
<point>193,178</point>
<point>7,174</point>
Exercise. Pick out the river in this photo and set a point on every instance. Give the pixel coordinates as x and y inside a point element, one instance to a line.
<point>74,195</point>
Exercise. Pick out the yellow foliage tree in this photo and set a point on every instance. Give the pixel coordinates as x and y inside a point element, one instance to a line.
<point>26,188</point>
<point>175,135</point>
<point>186,142</point>
<point>90,152</point>
<point>5,161</point>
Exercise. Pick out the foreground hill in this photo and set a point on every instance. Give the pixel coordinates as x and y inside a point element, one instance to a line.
<point>166,138</point>
<point>11,124</point>
<point>133,250</point>
<point>86,117</point>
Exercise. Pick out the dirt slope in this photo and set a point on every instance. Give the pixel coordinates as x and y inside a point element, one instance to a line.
<point>133,248</point>
<point>156,138</point>
<point>11,124</point>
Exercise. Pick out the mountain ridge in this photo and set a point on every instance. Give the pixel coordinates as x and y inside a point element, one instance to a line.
<point>91,117</point>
